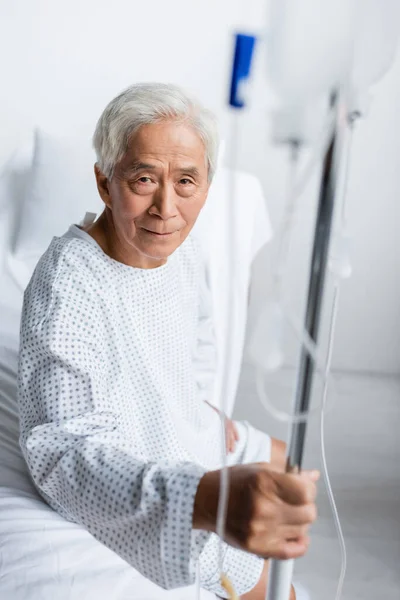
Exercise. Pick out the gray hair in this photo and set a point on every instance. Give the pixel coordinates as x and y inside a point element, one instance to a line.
<point>145,103</point>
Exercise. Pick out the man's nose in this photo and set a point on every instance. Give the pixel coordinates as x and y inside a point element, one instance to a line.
<point>164,203</point>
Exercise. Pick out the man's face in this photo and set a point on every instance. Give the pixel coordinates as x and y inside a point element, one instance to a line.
<point>157,191</point>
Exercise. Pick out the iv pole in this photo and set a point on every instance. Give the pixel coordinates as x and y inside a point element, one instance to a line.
<point>280,573</point>
<point>351,43</point>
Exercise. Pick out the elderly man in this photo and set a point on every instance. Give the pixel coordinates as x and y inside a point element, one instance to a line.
<point>115,429</point>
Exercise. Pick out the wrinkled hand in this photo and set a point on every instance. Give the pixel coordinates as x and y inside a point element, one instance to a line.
<point>269,512</point>
<point>231,432</point>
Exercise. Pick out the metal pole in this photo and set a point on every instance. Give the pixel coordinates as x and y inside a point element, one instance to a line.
<point>280,572</point>
<point>314,304</point>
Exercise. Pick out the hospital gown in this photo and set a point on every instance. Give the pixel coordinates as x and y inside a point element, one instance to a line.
<point>114,427</point>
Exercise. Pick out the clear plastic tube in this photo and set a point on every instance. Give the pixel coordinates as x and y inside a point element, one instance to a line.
<point>335,306</point>
<point>321,146</point>
<point>223,497</point>
<point>325,472</point>
<point>326,377</point>
<point>224,473</point>
<point>326,374</point>
<point>287,224</point>
<point>288,418</point>
<point>198,580</point>
<point>274,357</point>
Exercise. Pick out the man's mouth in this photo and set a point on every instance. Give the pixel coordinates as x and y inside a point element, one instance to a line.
<point>159,234</point>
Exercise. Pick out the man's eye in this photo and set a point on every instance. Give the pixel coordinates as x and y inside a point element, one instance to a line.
<point>144,179</point>
<point>185,181</point>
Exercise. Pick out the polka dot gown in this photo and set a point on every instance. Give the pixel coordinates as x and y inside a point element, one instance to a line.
<point>115,363</point>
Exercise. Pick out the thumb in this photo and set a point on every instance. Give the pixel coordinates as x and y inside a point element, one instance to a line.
<point>314,475</point>
<point>297,488</point>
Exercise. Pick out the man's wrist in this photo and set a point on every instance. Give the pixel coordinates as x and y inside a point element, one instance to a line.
<point>206,502</point>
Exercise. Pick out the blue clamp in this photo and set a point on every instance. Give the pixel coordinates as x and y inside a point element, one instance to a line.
<point>244,47</point>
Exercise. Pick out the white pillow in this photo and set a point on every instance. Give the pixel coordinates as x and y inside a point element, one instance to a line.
<point>13,175</point>
<point>61,189</point>
<point>231,228</point>
<point>5,218</point>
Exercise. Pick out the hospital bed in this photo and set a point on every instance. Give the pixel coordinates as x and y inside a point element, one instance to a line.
<point>45,186</point>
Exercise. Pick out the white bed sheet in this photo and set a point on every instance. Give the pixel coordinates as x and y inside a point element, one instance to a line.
<point>44,557</point>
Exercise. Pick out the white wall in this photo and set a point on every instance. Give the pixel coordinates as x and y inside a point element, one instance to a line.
<point>61,62</point>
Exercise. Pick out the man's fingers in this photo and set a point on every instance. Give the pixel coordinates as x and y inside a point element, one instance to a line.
<point>291,548</point>
<point>293,532</point>
<point>230,442</point>
<point>227,437</point>
<point>288,549</point>
<point>296,489</point>
<point>231,436</point>
<point>313,475</point>
<point>299,515</point>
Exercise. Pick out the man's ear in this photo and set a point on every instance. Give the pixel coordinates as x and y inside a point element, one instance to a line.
<point>102,186</point>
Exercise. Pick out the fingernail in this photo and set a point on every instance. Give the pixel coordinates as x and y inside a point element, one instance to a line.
<point>313,475</point>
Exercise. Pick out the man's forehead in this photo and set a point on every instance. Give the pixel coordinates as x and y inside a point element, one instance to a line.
<point>135,165</point>
<point>161,157</point>
<point>172,141</point>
